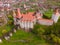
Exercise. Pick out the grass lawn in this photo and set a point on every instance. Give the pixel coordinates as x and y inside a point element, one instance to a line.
<point>48,13</point>
<point>24,38</point>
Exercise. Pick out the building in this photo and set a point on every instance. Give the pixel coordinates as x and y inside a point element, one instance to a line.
<point>56,15</point>
<point>45,22</point>
<point>28,20</point>
<point>38,14</point>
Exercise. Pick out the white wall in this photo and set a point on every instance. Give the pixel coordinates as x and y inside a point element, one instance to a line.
<point>34,21</point>
<point>22,24</point>
<point>31,24</point>
<point>26,24</point>
<point>55,18</point>
<point>14,21</point>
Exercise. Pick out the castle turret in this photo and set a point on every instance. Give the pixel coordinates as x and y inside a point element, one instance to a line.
<point>19,15</point>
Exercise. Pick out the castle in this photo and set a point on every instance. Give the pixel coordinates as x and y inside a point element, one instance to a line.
<point>28,20</point>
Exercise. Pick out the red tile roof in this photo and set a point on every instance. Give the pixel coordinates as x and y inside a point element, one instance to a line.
<point>47,20</point>
<point>28,17</point>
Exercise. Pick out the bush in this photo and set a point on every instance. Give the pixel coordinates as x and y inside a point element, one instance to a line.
<point>55,38</point>
<point>4,31</point>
